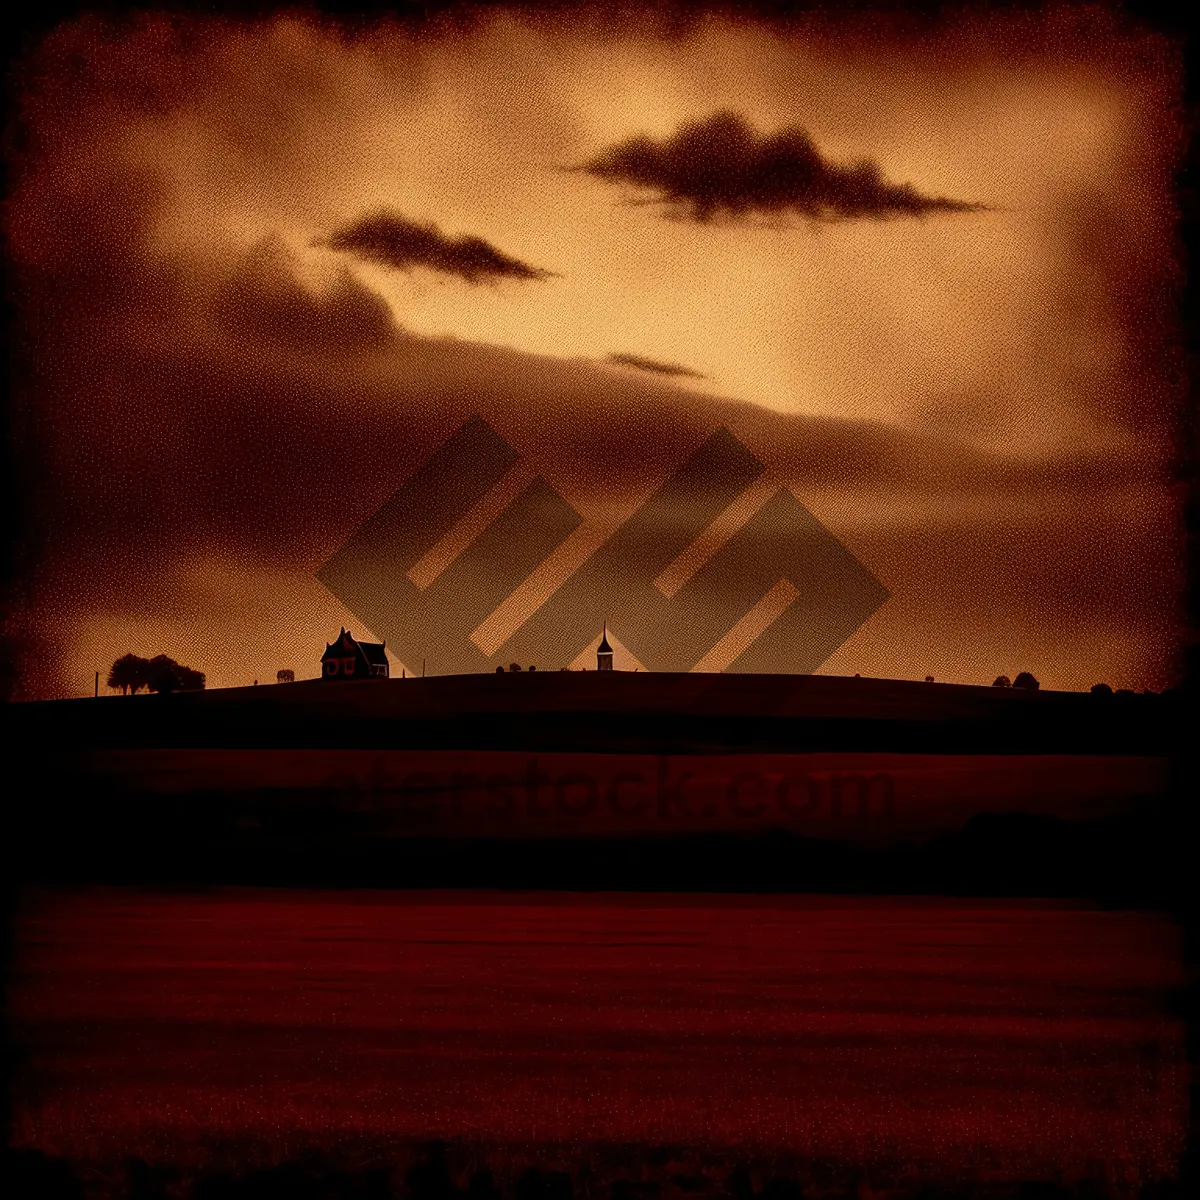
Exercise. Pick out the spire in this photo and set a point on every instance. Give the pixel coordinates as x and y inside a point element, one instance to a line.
<point>604,652</point>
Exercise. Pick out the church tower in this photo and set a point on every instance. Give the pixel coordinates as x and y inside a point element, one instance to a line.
<point>604,652</point>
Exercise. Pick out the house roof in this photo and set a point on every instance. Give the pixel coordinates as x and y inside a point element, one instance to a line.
<point>374,652</point>
<point>337,646</point>
<point>376,655</point>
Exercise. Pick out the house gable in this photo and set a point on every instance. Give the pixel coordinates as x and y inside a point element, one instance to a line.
<point>348,658</point>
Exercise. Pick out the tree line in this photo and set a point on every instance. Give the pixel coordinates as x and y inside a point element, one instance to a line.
<point>1023,680</point>
<point>130,673</point>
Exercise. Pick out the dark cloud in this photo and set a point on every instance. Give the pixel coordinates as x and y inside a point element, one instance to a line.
<point>722,166</point>
<point>263,300</point>
<point>395,241</point>
<point>657,368</point>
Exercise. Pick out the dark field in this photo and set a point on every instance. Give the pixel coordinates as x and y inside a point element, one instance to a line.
<point>842,1046</point>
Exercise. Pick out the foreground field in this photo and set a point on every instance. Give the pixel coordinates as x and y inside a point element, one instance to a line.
<point>914,1040</point>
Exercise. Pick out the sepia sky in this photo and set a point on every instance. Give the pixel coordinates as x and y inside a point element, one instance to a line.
<point>925,272</point>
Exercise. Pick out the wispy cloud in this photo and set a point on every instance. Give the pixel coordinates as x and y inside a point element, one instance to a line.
<point>650,364</point>
<point>395,241</point>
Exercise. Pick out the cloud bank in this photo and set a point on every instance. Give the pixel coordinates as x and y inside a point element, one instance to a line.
<point>263,301</point>
<point>722,166</point>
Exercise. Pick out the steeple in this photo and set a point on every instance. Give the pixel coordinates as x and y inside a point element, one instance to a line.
<point>604,652</point>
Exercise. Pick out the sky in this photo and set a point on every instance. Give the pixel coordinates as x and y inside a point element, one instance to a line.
<point>925,271</point>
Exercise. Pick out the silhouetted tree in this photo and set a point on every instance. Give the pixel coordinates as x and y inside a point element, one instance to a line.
<point>162,674</point>
<point>1027,681</point>
<point>1101,689</point>
<point>130,673</point>
<point>166,675</point>
<point>499,670</point>
<point>189,679</point>
<point>514,666</point>
<point>285,676</point>
<point>1002,681</point>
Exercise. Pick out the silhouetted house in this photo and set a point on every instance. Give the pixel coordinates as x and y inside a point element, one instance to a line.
<point>348,658</point>
<point>604,652</point>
